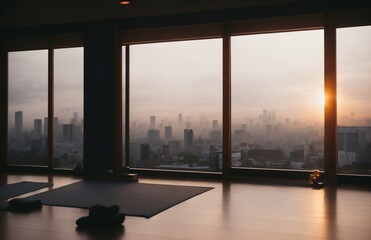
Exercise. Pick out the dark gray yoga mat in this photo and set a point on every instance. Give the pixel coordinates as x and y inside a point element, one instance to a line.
<point>134,199</point>
<point>16,189</point>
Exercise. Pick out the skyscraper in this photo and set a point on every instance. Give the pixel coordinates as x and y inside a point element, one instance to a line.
<point>68,133</point>
<point>37,128</point>
<point>188,139</point>
<point>18,126</point>
<point>153,136</point>
<point>168,133</point>
<point>152,122</point>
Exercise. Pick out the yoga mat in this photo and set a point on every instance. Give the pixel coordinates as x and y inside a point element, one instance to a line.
<point>15,189</point>
<point>134,199</point>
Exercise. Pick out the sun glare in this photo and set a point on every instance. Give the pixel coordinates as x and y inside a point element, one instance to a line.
<point>321,100</point>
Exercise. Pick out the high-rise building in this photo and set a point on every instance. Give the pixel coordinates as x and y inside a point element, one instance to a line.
<point>168,133</point>
<point>18,126</point>
<point>180,118</point>
<point>188,139</point>
<point>68,133</point>
<point>353,145</point>
<point>153,136</point>
<point>348,139</point>
<point>37,128</point>
<point>145,152</point>
<point>152,122</point>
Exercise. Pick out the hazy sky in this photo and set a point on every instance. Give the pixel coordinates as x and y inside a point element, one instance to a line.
<point>281,72</point>
<point>354,72</point>
<point>177,77</point>
<point>28,84</point>
<point>68,83</point>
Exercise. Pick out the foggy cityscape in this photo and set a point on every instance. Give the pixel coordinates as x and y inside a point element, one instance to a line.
<point>264,141</point>
<point>176,106</point>
<point>30,146</point>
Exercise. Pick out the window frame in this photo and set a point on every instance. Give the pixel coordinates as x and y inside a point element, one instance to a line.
<point>49,43</point>
<point>225,31</point>
<point>329,21</point>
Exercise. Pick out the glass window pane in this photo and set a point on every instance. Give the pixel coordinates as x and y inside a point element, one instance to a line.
<point>354,100</point>
<point>277,100</point>
<point>28,106</point>
<point>176,105</point>
<point>68,107</point>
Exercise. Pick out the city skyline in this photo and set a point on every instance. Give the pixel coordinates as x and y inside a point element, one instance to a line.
<point>191,122</point>
<point>176,100</point>
<point>265,143</point>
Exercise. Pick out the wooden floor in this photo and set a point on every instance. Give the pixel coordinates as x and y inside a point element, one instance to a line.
<point>232,210</point>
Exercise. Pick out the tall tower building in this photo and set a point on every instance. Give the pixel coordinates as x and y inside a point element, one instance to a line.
<point>68,133</point>
<point>153,136</point>
<point>348,145</point>
<point>145,153</point>
<point>37,128</point>
<point>152,122</point>
<point>188,139</point>
<point>18,126</point>
<point>168,133</point>
<point>180,118</point>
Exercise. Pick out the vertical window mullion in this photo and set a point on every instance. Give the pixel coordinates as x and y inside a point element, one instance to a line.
<point>226,104</point>
<point>50,107</point>
<point>330,154</point>
<point>127,107</point>
<point>4,88</point>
